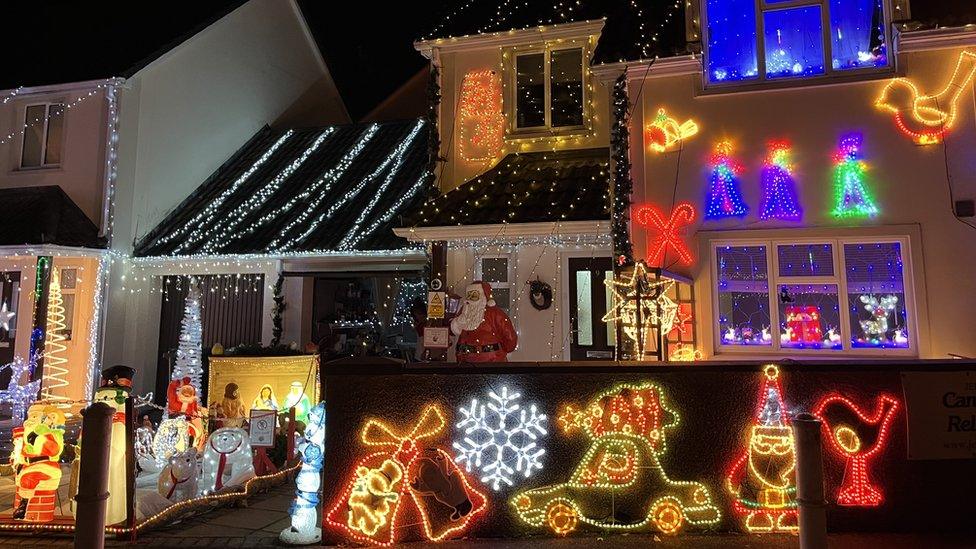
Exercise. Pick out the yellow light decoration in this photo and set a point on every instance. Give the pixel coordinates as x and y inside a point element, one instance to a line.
<point>481,122</point>
<point>621,471</point>
<point>664,131</point>
<point>686,353</point>
<point>638,304</point>
<point>927,118</point>
<point>54,348</point>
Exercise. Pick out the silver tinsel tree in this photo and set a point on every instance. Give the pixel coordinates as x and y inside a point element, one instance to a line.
<point>189,354</point>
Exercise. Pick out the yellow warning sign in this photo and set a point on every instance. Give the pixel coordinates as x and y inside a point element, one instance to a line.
<point>435,304</point>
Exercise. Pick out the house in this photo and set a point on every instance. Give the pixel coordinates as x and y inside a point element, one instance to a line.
<point>801,176</point>
<point>90,165</point>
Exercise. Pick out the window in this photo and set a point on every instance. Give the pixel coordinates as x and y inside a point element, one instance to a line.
<point>495,270</point>
<point>760,40</point>
<point>827,296</point>
<point>43,132</point>
<point>549,90</point>
<point>69,287</point>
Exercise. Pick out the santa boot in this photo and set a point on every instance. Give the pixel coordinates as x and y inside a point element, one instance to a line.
<point>21,511</point>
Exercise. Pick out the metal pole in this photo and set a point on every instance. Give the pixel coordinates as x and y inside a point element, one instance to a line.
<point>809,482</point>
<point>93,481</point>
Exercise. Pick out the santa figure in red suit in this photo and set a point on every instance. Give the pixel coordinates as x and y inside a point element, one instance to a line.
<point>485,334</point>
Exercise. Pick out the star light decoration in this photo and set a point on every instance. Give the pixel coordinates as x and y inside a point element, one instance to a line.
<point>641,305</point>
<point>6,315</point>
<point>668,232</point>
<point>500,438</point>
<point>20,397</point>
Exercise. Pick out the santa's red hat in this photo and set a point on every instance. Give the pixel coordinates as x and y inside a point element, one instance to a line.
<point>485,289</point>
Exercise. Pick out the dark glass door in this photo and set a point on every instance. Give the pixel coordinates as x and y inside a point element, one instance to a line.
<point>592,338</point>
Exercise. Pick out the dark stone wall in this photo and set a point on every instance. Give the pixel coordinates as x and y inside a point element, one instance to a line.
<point>716,403</point>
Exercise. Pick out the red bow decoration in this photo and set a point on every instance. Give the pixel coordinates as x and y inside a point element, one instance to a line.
<point>668,232</point>
<point>371,507</point>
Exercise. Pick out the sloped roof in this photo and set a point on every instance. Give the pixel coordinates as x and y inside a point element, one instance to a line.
<point>634,29</point>
<point>333,189</point>
<point>45,215</point>
<point>572,185</point>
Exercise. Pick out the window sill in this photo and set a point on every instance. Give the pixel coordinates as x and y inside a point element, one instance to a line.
<point>779,84</point>
<point>755,353</point>
<point>36,169</point>
<point>534,134</point>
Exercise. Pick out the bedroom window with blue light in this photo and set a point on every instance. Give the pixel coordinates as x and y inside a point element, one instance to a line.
<point>760,40</point>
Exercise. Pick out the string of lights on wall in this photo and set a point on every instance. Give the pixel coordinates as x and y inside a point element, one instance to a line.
<point>28,124</point>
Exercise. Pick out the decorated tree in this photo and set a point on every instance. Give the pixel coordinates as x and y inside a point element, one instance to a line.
<point>724,198</point>
<point>54,348</point>
<point>189,354</point>
<point>623,185</point>
<point>779,188</point>
<point>853,199</point>
<point>279,308</point>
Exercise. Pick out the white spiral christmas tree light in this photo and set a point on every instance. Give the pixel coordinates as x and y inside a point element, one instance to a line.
<point>55,370</point>
<point>189,354</point>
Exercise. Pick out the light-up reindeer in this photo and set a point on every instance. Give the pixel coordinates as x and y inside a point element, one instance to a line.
<point>877,327</point>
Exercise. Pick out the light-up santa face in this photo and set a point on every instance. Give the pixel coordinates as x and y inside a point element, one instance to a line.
<point>227,441</point>
<point>771,454</point>
<point>473,311</point>
<point>35,416</point>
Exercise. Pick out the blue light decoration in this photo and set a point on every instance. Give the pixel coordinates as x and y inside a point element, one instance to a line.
<point>876,296</point>
<point>794,42</point>
<point>732,40</point>
<point>852,197</point>
<point>21,392</point>
<point>743,300</point>
<point>304,517</point>
<point>724,198</point>
<point>779,190</point>
<point>857,34</point>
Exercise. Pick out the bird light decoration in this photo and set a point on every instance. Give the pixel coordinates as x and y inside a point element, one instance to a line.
<point>664,131</point>
<point>927,118</point>
<point>304,529</point>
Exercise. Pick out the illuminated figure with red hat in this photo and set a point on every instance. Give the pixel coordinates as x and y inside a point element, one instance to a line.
<point>36,463</point>
<point>485,333</point>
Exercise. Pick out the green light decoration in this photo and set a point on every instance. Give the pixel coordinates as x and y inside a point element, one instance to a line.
<point>852,197</point>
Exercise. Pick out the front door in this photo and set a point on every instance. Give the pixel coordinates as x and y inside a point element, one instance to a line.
<point>9,299</point>
<point>592,338</point>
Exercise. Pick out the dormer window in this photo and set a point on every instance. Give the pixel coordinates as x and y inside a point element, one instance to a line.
<point>548,89</point>
<point>774,40</point>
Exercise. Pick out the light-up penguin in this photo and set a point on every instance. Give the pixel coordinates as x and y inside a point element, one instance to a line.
<point>303,527</point>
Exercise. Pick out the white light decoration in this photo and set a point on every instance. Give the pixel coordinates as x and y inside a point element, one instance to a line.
<point>205,218</point>
<point>221,231</point>
<point>500,438</point>
<point>393,210</point>
<point>55,372</point>
<point>6,315</point>
<point>172,437</point>
<point>19,396</point>
<point>227,454</point>
<point>95,326</point>
<point>304,517</point>
<point>395,157</point>
<point>189,353</point>
<point>316,191</point>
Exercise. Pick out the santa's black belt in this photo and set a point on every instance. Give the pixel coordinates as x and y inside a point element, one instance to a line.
<point>37,459</point>
<point>483,349</point>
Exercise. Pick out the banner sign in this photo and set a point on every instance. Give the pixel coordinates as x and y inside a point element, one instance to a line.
<point>941,410</point>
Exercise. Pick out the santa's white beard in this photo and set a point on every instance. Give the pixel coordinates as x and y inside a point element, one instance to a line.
<point>470,317</point>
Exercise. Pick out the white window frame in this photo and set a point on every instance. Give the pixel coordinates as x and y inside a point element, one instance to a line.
<point>44,135</point>
<point>830,74</point>
<point>511,97</point>
<point>510,284</point>
<point>839,278</point>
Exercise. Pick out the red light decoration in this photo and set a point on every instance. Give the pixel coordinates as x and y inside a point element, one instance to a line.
<point>857,437</point>
<point>804,324</point>
<point>372,506</point>
<point>481,121</point>
<point>668,232</point>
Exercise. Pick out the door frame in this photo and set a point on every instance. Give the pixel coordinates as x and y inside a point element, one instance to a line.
<point>564,255</point>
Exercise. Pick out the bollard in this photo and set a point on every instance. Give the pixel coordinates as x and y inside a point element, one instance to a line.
<point>93,481</point>
<point>809,482</point>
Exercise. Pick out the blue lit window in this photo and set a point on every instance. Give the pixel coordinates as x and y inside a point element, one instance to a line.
<point>759,40</point>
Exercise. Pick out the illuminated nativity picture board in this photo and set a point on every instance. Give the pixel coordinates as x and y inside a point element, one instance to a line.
<point>266,383</point>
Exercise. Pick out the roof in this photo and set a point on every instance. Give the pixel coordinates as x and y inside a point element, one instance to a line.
<point>82,43</point>
<point>45,215</point>
<point>571,185</point>
<point>634,29</point>
<point>338,189</point>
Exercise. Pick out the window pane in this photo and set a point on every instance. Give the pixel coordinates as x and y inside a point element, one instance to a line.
<point>809,316</point>
<point>68,301</point>
<point>55,127</point>
<point>503,297</point>
<point>743,295</point>
<point>876,295</point>
<point>857,34</point>
<point>494,269</point>
<point>530,90</point>
<point>806,260</point>
<point>33,136</point>
<point>584,308</point>
<point>566,87</point>
<point>731,40</point>
<point>794,42</point>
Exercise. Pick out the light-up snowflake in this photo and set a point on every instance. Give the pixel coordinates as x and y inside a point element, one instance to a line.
<point>500,438</point>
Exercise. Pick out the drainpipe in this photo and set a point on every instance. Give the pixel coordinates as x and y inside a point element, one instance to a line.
<point>92,494</point>
<point>809,482</point>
